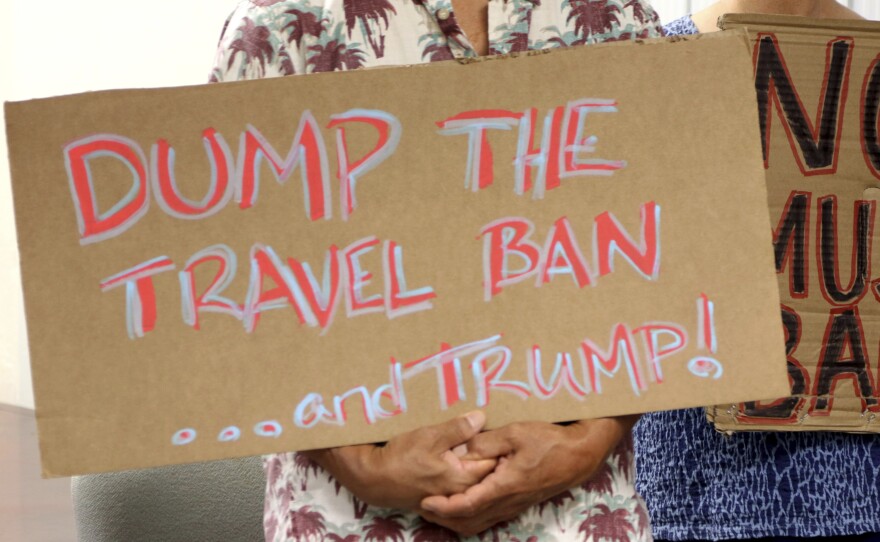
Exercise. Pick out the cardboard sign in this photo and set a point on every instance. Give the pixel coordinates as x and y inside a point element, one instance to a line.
<point>818,86</point>
<point>244,268</point>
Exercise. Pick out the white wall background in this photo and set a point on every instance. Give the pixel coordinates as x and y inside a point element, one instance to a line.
<point>54,47</point>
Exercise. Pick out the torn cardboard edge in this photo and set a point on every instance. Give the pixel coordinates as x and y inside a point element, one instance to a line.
<point>725,419</point>
<point>741,21</point>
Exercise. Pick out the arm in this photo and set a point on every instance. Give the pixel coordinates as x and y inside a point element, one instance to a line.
<point>536,461</point>
<point>411,466</point>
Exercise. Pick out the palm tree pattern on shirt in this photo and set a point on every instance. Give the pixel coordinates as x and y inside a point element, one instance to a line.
<point>270,38</point>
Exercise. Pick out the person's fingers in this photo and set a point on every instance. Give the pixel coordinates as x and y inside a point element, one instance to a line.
<point>467,472</point>
<point>473,501</point>
<point>474,469</point>
<point>490,444</point>
<point>478,469</point>
<point>457,431</point>
<point>443,507</point>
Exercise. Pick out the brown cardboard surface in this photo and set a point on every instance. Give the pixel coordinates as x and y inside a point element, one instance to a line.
<point>175,338</point>
<point>823,210</point>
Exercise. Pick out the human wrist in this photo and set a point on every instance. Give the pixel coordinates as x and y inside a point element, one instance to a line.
<point>628,422</point>
<point>611,429</point>
<point>594,440</point>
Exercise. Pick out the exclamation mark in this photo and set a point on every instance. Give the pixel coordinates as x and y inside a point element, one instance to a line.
<point>705,366</point>
<point>707,339</point>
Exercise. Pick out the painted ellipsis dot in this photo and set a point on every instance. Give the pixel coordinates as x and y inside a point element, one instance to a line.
<point>184,436</point>
<point>229,434</point>
<point>269,428</point>
<point>705,367</point>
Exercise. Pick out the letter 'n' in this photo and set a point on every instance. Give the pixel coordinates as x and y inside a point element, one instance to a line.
<point>816,147</point>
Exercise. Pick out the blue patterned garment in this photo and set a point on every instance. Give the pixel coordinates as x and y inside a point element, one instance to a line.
<point>701,484</point>
<point>681,27</point>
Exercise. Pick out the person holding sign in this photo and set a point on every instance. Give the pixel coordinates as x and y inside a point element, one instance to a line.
<point>701,484</point>
<point>525,481</point>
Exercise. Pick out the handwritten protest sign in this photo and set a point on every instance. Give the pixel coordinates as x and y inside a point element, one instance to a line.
<point>818,85</point>
<point>234,269</point>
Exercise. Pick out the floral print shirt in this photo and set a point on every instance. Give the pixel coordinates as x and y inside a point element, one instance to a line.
<point>270,38</point>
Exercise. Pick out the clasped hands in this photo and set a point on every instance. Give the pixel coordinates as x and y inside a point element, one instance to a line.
<point>468,480</point>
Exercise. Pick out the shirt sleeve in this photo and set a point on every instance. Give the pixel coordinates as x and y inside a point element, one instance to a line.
<point>640,20</point>
<point>266,38</point>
